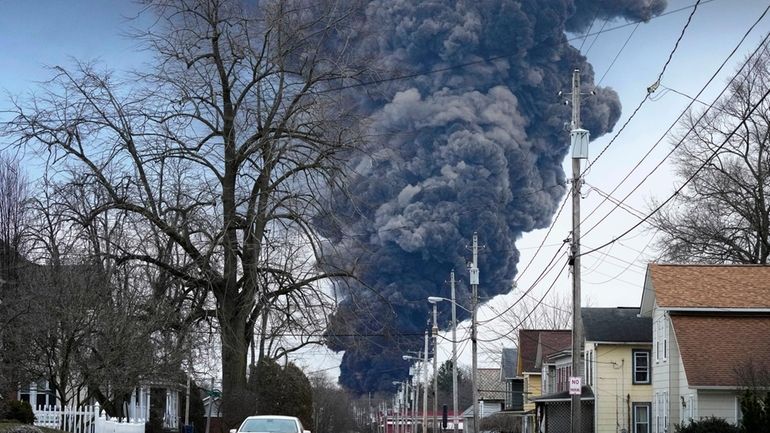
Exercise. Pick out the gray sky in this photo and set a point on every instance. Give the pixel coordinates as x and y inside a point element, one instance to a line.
<point>39,33</point>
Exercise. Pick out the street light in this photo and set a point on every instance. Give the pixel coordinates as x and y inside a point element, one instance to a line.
<point>433,300</point>
<point>415,389</point>
<point>434,331</point>
<point>402,390</point>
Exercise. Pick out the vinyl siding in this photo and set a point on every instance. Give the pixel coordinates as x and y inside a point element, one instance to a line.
<point>613,387</point>
<point>532,385</point>
<point>667,370</point>
<point>720,404</point>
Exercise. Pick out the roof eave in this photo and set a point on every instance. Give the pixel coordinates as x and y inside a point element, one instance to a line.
<point>680,309</point>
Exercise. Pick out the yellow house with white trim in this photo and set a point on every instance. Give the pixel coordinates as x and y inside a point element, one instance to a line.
<point>531,345</point>
<point>618,368</point>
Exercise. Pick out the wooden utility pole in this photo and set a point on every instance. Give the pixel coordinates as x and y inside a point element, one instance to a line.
<point>579,138</point>
<point>455,420</point>
<point>474,280</point>
<point>425,388</point>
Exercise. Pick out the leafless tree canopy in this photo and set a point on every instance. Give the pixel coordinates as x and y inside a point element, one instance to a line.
<point>211,161</point>
<point>14,219</point>
<point>548,311</point>
<point>723,214</point>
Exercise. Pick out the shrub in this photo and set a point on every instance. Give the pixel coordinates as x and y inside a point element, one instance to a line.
<point>708,425</point>
<point>21,411</point>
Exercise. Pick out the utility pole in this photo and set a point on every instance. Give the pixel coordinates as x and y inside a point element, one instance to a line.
<point>425,388</point>
<point>579,138</point>
<point>415,394</point>
<point>454,355</point>
<point>474,280</point>
<point>435,371</point>
<point>397,410</point>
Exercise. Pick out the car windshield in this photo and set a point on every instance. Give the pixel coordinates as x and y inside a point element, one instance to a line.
<point>270,426</point>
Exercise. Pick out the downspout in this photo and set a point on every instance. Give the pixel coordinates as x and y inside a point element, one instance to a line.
<point>628,408</point>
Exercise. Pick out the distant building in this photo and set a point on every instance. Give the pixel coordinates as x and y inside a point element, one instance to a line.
<point>528,369</point>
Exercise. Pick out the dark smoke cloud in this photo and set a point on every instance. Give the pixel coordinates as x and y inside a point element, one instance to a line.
<point>474,148</point>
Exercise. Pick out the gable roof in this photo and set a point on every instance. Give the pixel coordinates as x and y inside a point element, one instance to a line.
<point>733,341</point>
<point>490,385</point>
<point>707,286</point>
<point>528,347</point>
<point>619,325</point>
<point>508,362</point>
<point>552,343</point>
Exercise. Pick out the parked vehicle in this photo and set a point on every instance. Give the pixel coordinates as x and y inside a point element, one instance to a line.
<point>271,424</point>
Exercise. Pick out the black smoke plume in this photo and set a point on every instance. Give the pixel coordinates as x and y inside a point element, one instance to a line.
<point>473,142</point>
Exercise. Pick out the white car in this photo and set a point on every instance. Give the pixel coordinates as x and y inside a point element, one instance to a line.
<point>271,424</point>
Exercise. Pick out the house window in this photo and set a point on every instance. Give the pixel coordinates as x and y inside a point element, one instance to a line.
<point>660,415</point>
<point>589,373</point>
<point>656,337</point>
<point>641,366</point>
<point>641,419</point>
<point>38,394</point>
<point>664,336</point>
<point>660,338</point>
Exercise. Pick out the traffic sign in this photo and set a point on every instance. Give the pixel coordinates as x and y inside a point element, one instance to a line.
<point>575,384</point>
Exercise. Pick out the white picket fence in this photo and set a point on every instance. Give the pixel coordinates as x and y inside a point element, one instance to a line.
<point>87,419</point>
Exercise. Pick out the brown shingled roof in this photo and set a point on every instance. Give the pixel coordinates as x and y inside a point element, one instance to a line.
<point>528,342</point>
<point>713,347</point>
<point>711,286</point>
<point>551,343</point>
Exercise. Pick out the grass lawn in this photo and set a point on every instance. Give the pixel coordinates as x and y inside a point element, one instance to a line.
<point>5,426</point>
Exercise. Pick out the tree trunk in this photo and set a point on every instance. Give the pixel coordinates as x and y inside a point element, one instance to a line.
<point>237,401</point>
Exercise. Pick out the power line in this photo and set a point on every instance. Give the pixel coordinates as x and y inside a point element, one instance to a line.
<point>609,68</point>
<point>650,89</point>
<point>463,65</point>
<point>676,121</point>
<point>514,328</point>
<point>689,179</point>
<point>597,37</point>
<point>670,57</point>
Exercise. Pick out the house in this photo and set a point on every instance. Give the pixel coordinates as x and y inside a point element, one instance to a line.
<point>514,385</point>
<point>554,404</point>
<point>166,402</point>
<point>618,368</point>
<point>710,322</point>
<point>527,369</point>
<point>491,395</point>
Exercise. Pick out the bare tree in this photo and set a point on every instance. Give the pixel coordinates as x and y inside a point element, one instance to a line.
<point>233,134</point>
<point>332,407</point>
<point>723,214</point>
<point>549,311</point>
<point>14,219</point>
<point>94,327</point>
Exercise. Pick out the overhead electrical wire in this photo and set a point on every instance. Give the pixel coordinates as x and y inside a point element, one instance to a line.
<point>665,66</point>
<point>609,68</point>
<point>493,58</point>
<point>687,181</point>
<point>650,89</point>
<point>762,45</point>
<point>670,57</point>
<point>515,328</point>
<point>463,65</point>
